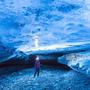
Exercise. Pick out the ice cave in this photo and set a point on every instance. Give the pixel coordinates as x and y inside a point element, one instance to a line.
<point>55,30</point>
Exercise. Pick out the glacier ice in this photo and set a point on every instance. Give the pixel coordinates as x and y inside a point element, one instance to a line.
<point>63,26</point>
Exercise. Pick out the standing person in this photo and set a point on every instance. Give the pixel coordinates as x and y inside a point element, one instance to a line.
<point>37,67</point>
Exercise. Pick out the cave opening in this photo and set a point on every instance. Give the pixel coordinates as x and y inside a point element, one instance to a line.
<point>45,60</point>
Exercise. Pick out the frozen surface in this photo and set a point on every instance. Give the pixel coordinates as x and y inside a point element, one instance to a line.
<point>20,78</point>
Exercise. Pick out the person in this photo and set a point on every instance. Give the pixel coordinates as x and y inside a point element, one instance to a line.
<point>37,67</point>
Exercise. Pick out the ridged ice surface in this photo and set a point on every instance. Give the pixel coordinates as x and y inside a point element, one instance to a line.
<point>54,21</point>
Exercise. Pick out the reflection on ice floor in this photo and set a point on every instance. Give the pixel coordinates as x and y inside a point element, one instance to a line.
<point>20,78</point>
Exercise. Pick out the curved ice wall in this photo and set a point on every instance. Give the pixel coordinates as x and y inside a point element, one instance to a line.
<point>58,20</point>
<point>53,21</point>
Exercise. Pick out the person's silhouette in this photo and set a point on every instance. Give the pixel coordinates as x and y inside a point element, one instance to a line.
<point>37,66</point>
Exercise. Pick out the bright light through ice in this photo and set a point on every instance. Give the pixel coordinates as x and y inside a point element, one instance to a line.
<point>36,41</point>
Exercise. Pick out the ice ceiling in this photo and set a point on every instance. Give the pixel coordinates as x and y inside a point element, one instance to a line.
<point>53,21</point>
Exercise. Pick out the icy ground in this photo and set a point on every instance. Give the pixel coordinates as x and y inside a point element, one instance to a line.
<point>59,78</point>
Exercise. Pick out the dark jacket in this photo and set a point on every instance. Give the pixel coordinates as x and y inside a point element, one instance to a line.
<point>37,64</point>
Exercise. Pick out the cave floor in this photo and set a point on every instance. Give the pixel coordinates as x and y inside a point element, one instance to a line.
<point>51,78</point>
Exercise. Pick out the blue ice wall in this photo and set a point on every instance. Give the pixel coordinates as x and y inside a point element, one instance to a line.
<point>54,21</point>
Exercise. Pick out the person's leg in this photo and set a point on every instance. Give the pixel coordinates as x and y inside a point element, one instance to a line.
<point>38,72</point>
<point>35,73</point>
